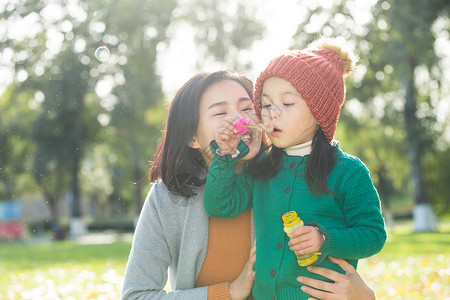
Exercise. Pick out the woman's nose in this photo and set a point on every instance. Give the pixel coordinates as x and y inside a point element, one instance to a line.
<point>240,114</point>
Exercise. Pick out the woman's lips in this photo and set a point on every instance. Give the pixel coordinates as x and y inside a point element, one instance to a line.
<point>247,138</point>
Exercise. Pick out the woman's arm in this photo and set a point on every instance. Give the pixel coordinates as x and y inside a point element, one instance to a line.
<point>348,286</point>
<point>242,286</point>
<point>147,268</point>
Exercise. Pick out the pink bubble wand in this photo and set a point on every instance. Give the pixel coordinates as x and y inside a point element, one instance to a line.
<point>241,125</point>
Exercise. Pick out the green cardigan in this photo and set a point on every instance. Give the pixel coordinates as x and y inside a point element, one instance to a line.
<point>350,217</point>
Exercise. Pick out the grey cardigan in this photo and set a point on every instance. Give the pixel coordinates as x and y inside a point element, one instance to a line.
<point>170,241</point>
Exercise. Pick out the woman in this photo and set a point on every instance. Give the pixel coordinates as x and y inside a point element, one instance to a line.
<point>174,236</point>
<point>203,257</point>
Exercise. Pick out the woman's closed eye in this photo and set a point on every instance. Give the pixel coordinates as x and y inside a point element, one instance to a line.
<point>217,114</point>
<point>266,106</point>
<point>288,104</point>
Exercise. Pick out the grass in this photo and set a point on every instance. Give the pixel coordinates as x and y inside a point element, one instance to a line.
<point>48,254</point>
<point>417,243</point>
<point>62,270</point>
<point>411,266</point>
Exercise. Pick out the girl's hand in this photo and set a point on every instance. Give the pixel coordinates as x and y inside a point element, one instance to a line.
<point>348,286</point>
<point>242,286</point>
<point>306,239</point>
<point>227,137</point>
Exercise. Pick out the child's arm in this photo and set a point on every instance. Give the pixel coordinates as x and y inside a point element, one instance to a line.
<point>364,234</point>
<point>227,194</point>
<point>306,239</point>
<point>227,138</point>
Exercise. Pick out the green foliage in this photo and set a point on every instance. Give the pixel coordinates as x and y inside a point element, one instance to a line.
<point>223,29</point>
<point>389,119</point>
<point>61,130</point>
<point>386,163</point>
<point>437,176</point>
<point>130,137</point>
<point>16,152</point>
<point>101,119</point>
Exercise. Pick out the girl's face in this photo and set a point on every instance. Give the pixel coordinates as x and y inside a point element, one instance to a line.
<point>284,108</point>
<point>225,98</point>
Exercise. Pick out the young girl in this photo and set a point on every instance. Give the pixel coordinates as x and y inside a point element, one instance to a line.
<point>299,94</point>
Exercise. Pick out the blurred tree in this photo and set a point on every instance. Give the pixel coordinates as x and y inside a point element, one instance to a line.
<point>141,86</point>
<point>138,93</point>
<point>386,163</point>
<point>396,44</point>
<point>64,128</point>
<point>113,102</point>
<point>62,55</point>
<point>96,180</point>
<point>16,152</point>
<point>223,31</point>
<point>47,58</point>
<point>17,107</point>
<point>436,177</point>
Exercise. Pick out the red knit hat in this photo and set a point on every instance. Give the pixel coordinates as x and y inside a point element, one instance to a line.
<point>317,74</point>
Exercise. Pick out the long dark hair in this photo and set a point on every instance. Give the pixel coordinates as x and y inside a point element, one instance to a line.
<point>179,166</point>
<point>320,163</point>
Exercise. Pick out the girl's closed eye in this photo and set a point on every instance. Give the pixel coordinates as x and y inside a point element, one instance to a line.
<point>266,106</point>
<point>288,104</point>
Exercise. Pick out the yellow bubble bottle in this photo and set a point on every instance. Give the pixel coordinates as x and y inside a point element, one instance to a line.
<point>292,222</point>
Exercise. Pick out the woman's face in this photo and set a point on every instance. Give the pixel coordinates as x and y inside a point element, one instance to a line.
<point>225,98</point>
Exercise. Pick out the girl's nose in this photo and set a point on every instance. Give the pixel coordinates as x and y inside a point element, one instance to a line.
<point>274,113</point>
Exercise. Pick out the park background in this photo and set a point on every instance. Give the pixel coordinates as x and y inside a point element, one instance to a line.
<point>84,91</point>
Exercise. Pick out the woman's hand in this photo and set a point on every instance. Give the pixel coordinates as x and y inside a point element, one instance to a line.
<point>227,137</point>
<point>348,286</point>
<point>242,286</point>
<point>306,239</point>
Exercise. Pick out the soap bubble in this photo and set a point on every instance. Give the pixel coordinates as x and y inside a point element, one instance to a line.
<point>102,53</point>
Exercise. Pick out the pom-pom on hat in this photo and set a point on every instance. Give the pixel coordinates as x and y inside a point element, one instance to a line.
<point>317,74</point>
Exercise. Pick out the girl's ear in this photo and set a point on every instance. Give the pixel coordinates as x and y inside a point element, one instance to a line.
<point>194,143</point>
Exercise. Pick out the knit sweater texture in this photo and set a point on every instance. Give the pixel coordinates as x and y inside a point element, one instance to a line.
<point>169,245</point>
<point>350,217</point>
